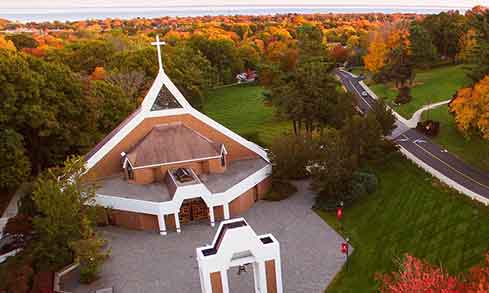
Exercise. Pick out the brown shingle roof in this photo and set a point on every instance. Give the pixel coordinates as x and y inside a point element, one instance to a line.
<point>171,143</point>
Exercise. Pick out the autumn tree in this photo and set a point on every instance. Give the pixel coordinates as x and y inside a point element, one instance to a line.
<point>468,45</point>
<point>6,44</point>
<point>471,108</point>
<point>377,53</point>
<point>399,67</point>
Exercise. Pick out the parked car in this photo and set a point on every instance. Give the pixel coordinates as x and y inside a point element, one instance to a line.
<point>364,94</point>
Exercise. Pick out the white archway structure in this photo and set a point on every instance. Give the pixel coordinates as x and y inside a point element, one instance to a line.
<point>236,244</point>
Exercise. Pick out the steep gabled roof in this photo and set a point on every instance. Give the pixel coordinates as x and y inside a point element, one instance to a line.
<point>172,143</point>
<point>173,103</point>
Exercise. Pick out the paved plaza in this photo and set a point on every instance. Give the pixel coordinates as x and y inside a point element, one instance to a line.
<point>144,262</point>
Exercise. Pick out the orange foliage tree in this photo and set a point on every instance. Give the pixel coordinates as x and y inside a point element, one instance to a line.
<point>7,44</point>
<point>98,73</point>
<point>471,108</point>
<point>377,54</point>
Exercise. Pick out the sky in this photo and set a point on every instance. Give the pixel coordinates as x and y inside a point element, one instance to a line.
<point>162,3</point>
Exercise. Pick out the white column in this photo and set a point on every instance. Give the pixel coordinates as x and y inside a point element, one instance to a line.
<point>162,224</point>
<point>225,281</point>
<point>278,274</point>
<point>256,277</point>
<point>211,216</point>
<point>225,207</point>
<point>177,222</point>
<point>262,277</point>
<point>205,281</point>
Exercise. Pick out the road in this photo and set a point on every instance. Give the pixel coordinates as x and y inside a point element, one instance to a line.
<point>423,148</point>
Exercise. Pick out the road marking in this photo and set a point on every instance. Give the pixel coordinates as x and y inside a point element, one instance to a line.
<point>403,139</point>
<point>450,166</point>
<point>358,93</point>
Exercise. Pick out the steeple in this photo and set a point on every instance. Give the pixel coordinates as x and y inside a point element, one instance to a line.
<point>158,44</point>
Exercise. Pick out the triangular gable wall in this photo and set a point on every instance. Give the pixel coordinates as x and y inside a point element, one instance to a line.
<point>106,145</point>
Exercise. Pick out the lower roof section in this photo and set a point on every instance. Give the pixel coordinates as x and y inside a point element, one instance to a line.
<point>236,172</point>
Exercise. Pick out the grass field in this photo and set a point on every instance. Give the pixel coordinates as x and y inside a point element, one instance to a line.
<point>241,109</point>
<point>474,150</point>
<point>409,213</point>
<point>430,86</point>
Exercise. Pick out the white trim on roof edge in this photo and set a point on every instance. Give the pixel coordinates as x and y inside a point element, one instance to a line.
<point>163,80</point>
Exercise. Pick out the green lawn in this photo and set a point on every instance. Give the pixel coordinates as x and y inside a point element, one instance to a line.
<point>241,109</point>
<point>410,212</point>
<point>357,70</point>
<point>431,86</point>
<point>474,150</point>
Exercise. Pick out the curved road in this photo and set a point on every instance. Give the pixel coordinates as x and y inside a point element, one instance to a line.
<point>423,148</point>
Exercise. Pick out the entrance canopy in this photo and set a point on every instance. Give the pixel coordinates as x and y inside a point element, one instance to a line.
<point>237,244</point>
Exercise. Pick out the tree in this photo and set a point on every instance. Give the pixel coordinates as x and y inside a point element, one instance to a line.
<point>479,20</point>
<point>131,83</point>
<point>112,105</point>
<point>422,49</point>
<point>290,155</point>
<point>190,70</point>
<point>6,44</point>
<point>311,97</point>
<point>222,54</point>
<point>333,165</point>
<point>89,254</point>
<point>446,28</point>
<point>468,45</point>
<point>384,116</point>
<point>44,102</point>
<point>376,57</point>
<point>23,41</point>
<point>471,108</point>
<point>399,67</point>
<point>84,56</point>
<point>66,206</point>
<point>310,42</point>
<point>15,165</point>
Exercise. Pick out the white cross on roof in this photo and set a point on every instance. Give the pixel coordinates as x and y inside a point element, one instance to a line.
<point>158,45</point>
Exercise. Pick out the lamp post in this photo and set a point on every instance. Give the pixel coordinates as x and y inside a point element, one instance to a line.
<point>339,214</point>
<point>344,250</point>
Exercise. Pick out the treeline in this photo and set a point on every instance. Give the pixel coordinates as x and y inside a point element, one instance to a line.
<point>398,49</point>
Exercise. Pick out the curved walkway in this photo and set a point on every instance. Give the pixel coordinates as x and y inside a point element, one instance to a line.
<point>423,151</point>
<point>411,123</point>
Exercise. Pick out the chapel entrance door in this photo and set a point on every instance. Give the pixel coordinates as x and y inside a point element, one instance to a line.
<point>193,210</point>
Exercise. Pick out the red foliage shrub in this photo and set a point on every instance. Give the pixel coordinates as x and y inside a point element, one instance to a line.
<point>418,276</point>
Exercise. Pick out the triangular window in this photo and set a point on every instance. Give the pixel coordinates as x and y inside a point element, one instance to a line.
<point>165,100</point>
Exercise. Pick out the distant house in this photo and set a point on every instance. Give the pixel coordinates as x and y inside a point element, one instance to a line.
<point>168,164</point>
<point>248,76</point>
